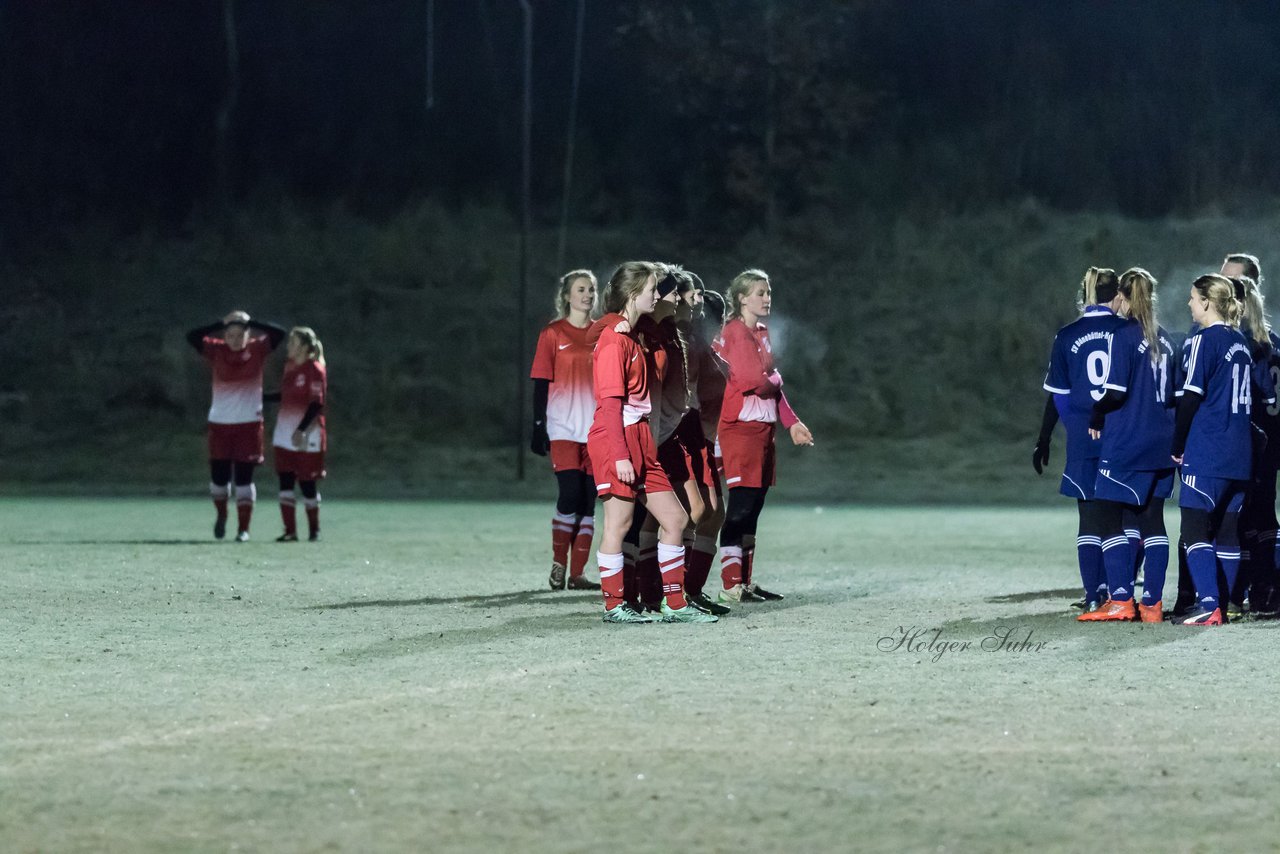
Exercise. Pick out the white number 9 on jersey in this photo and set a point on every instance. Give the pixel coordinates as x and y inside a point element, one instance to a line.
<point>1096,365</point>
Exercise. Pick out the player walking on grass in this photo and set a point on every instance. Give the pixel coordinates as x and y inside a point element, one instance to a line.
<point>1212,443</point>
<point>1078,366</point>
<point>753,405</point>
<point>563,405</point>
<point>300,439</point>
<point>622,450</point>
<point>1134,420</point>
<point>236,356</point>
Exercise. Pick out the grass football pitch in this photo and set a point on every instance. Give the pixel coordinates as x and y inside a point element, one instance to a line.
<point>409,684</point>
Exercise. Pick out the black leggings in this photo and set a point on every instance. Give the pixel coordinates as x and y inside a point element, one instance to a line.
<point>577,493</point>
<point>288,478</point>
<point>742,514</point>
<point>221,472</point>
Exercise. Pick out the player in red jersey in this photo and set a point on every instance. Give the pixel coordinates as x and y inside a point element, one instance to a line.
<point>753,404</point>
<point>563,404</point>
<point>300,439</point>
<point>236,348</point>
<point>706,388</point>
<point>623,455</point>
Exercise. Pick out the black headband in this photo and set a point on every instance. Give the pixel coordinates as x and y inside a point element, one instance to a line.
<point>667,285</point>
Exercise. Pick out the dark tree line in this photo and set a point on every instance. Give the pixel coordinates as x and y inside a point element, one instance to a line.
<point>724,114</point>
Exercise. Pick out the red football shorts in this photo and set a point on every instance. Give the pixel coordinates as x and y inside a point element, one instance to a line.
<point>644,459</point>
<point>749,454</point>
<point>684,456</point>
<point>570,456</point>
<point>240,443</point>
<point>305,465</point>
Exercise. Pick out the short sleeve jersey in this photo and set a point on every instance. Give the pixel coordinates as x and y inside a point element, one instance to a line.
<point>563,358</point>
<point>620,369</point>
<point>301,386</point>
<point>1078,368</point>
<point>237,379</point>
<point>1138,436</point>
<point>749,357</point>
<point>1220,368</point>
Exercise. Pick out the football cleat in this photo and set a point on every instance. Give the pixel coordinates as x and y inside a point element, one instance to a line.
<point>1151,613</point>
<point>1235,613</point>
<point>287,537</point>
<point>1201,616</point>
<point>557,577</point>
<point>219,527</point>
<point>703,602</point>
<point>242,536</point>
<point>763,594</point>
<point>313,537</point>
<point>581,582</point>
<point>687,614</point>
<point>1111,611</point>
<point>624,613</point>
<point>737,593</point>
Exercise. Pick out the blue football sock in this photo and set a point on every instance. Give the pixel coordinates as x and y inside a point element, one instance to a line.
<point>1092,574</point>
<point>1157,562</point>
<point>1202,563</point>
<point>1118,560</point>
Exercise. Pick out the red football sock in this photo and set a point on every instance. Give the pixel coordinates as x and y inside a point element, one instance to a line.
<point>245,496</point>
<point>561,537</point>
<point>611,579</point>
<point>730,566</point>
<point>671,565</point>
<point>219,496</point>
<point>313,514</point>
<point>289,511</point>
<point>582,546</point>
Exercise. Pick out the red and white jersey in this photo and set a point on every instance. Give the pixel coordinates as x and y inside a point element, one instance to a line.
<point>563,357</point>
<point>301,386</point>
<point>237,379</point>
<point>620,369</point>
<point>749,394</point>
<point>673,394</point>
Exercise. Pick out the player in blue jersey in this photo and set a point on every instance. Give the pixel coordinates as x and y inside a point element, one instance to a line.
<point>1077,369</point>
<point>1212,442</point>
<point>1255,585</point>
<point>1134,420</point>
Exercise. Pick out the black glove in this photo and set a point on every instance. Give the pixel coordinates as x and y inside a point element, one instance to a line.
<point>1040,456</point>
<point>538,442</point>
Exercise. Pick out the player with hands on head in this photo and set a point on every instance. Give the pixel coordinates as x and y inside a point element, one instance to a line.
<point>236,348</point>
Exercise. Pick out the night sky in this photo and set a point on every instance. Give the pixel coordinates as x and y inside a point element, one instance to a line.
<point>1147,108</point>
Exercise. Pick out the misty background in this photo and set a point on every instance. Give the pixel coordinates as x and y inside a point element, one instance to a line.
<point>925,181</point>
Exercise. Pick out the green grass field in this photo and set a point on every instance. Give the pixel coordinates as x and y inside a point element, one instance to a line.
<point>409,685</point>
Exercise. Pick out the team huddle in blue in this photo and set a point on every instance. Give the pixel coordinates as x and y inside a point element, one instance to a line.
<point>1139,413</point>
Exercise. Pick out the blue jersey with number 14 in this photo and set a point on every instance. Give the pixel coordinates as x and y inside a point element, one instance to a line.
<point>1078,367</point>
<point>1138,435</point>
<point>1220,368</point>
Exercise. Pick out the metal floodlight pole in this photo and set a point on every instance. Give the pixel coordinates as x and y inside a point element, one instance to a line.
<point>522,296</point>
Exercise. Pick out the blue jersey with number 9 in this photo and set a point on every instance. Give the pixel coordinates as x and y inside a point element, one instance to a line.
<point>1220,369</point>
<point>1078,366</point>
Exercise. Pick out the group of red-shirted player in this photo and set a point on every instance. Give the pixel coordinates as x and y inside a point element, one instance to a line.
<point>650,405</point>
<point>236,349</point>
